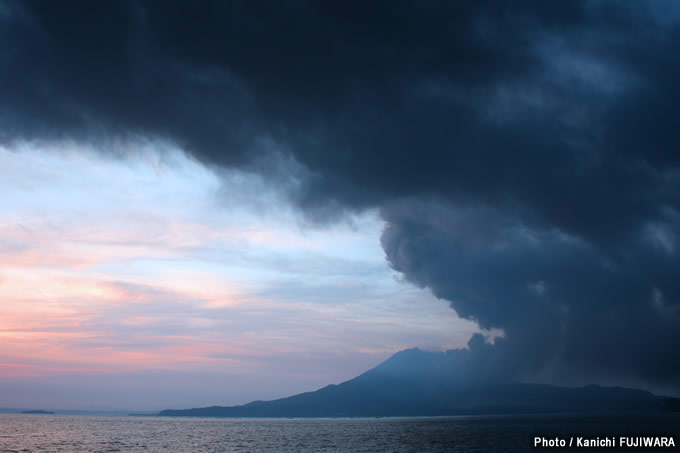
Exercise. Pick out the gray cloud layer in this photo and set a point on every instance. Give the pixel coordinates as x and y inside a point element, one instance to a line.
<point>524,155</point>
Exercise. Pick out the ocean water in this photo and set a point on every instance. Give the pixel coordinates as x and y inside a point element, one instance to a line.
<point>61,433</point>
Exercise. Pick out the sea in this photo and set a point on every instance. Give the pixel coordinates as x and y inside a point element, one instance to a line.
<point>65,433</point>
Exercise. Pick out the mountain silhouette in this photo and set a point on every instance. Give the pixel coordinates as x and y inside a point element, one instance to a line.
<point>419,383</point>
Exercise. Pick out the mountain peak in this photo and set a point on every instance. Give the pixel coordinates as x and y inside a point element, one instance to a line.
<point>416,382</point>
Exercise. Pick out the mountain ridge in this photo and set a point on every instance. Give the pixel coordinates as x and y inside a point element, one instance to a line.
<point>420,383</point>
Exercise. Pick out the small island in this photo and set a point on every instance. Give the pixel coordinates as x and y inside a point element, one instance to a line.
<point>38,412</point>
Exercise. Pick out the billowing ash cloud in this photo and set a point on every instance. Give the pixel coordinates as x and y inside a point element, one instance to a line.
<point>569,309</point>
<point>524,155</point>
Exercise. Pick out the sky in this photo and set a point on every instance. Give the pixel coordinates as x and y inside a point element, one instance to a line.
<point>123,273</point>
<point>214,202</point>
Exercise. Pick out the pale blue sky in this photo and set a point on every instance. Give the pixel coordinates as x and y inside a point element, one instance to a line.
<point>153,272</point>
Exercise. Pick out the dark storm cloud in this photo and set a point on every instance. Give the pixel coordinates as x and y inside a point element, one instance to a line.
<point>568,310</point>
<point>524,154</point>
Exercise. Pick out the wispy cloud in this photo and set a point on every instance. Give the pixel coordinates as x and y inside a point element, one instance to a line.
<point>141,265</point>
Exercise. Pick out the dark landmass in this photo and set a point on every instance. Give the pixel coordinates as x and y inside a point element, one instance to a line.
<point>38,412</point>
<point>419,383</point>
